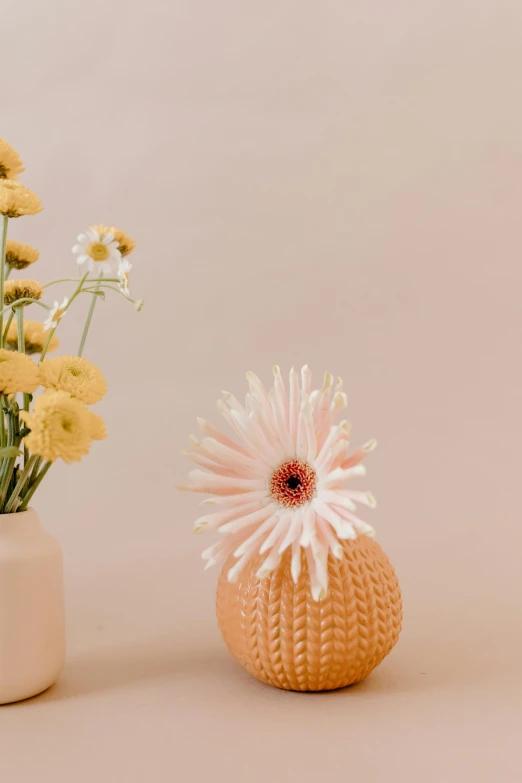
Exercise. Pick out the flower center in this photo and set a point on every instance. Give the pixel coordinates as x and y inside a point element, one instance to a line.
<point>293,483</point>
<point>67,425</point>
<point>76,372</point>
<point>98,251</point>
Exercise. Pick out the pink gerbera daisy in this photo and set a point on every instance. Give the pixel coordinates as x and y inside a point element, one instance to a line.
<point>283,484</point>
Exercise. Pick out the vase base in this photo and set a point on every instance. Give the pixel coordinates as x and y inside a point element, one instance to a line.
<point>23,691</point>
<point>334,685</point>
<point>284,638</point>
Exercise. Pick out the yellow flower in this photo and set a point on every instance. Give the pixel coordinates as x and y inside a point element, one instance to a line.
<point>18,373</point>
<point>17,200</point>
<point>98,431</point>
<point>10,164</point>
<point>125,244</point>
<point>61,426</point>
<point>21,289</point>
<point>34,336</point>
<point>75,375</point>
<point>20,256</point>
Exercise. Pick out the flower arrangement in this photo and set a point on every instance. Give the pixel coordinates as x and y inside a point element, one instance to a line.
<point>35,431</point>
<point>283,486</point>
<point>306,600</point>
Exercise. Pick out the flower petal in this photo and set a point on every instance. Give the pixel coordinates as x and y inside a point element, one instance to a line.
<point>274,430</point>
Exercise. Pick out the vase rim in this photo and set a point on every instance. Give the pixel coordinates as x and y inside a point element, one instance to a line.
<point>19,520</point>
<point>19,513</point>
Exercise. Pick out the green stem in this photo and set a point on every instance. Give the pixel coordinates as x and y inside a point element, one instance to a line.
<point>6,330</point>
<point>2,281</point>
<point>3,401</point>
<point>46,344</point>
<point>75,280</point>
<point>69,303</point>
<point>24,301</point>
<point>89,317</point>
<point>34,486</point>
<point>109,288</point>
<point>12,504</point>
<point>21,349</point>
<point>8,463</point>
<point>36,468</point>
<point>20,329</point>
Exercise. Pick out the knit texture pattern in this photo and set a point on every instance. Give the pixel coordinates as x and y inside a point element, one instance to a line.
<point>284,638</point>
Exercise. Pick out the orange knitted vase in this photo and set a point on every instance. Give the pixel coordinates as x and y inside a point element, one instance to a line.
<point>284,638</point>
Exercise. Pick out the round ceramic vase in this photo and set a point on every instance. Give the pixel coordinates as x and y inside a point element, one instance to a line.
<point>32,617</point>
<point>284,638</point>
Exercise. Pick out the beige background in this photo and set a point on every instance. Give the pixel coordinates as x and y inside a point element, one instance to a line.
<point>336,183</point>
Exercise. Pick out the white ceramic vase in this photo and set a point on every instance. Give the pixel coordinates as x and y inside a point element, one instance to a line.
<point>32,616</point>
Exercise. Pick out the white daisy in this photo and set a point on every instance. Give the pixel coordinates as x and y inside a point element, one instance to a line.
<point>124,267</point>
<point>55,314</point>
<point>98,251</point>
<point>282,482</point>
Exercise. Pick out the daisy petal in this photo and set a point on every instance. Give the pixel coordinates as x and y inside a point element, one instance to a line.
<point>279,485</point>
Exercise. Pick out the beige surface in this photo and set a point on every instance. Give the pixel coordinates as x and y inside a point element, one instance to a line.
<point>337,183</point>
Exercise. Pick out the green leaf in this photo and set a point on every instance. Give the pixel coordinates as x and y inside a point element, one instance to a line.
<point>94,292</point>
<point>10,451</point>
